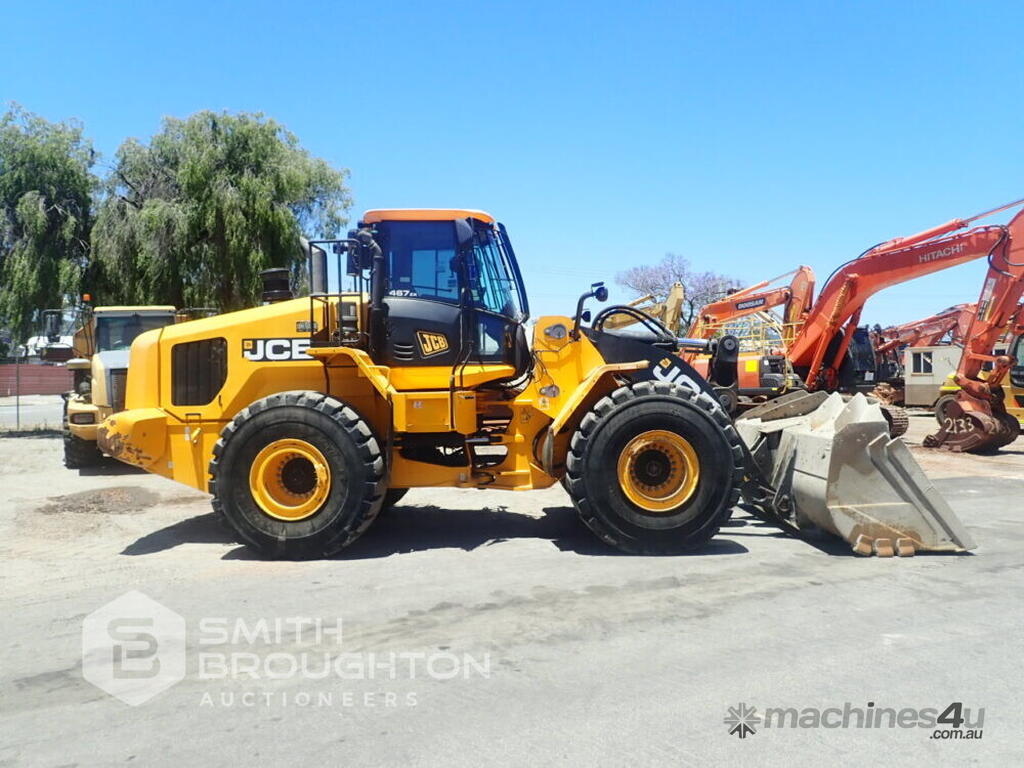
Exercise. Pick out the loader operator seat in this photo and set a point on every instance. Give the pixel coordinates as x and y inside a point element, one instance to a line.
<point>453,294</point>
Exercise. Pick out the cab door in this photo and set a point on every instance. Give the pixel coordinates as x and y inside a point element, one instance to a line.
<point>498,301</point>
<point>423,325</point>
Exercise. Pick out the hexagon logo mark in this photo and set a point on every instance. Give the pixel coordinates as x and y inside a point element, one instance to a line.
<point>133,648</point>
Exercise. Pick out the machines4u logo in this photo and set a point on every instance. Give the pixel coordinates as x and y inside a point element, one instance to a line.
<point>260,350</point>
<point>431,343</point>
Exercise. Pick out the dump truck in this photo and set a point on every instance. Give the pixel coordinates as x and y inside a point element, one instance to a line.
<point>99,364</point>
<point>304,418</point>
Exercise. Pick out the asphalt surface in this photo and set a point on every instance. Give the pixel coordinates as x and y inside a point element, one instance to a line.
<point>563,651</point>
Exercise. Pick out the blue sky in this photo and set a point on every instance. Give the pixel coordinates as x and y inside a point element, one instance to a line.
<point>750,137</point>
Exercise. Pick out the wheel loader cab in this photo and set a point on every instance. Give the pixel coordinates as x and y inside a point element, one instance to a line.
<point>452,294</point>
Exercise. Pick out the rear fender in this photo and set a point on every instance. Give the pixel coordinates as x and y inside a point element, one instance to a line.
<point>136,437</point>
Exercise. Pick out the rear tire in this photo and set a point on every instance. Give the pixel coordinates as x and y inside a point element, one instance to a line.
<point>297,475</point>
<point>655,468</point>
<point>392,497</point>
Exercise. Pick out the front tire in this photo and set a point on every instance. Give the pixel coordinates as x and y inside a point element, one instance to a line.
<point>655,468</point>
<point>297,475</point>
<point>79,453</point>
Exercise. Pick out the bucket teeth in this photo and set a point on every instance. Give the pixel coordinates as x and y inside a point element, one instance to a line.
<point>883,547</point>
<point>905,547</point>
<point>831,464</point>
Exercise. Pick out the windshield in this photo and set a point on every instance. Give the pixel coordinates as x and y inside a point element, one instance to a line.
<point>493,280</point>
<point>118,333</point>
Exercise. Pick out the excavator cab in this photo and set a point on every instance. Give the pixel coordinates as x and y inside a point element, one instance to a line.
<point>1017,367</point>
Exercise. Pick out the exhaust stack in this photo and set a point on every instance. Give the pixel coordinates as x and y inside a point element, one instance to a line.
<point>276,285</point>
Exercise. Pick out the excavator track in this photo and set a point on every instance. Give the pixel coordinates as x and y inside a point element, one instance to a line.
<point>899,421</point>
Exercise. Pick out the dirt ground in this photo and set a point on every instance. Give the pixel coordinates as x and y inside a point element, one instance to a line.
<point>591,656</point>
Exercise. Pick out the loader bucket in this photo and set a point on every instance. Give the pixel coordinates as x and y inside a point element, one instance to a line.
<point>830,463</point>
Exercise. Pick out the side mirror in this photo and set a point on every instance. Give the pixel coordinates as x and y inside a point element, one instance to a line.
<point>463,233</point>
<point>597,291</point>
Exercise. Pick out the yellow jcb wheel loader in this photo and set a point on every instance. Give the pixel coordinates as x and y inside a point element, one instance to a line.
<point>305,417</point>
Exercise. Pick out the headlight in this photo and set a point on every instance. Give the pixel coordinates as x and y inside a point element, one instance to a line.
<point>556,331</point>
<point>83,418</point>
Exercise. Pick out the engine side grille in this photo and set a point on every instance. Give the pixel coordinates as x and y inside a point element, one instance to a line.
<point>403,351</point>
<point>198,371</point>
<point>118,379</point>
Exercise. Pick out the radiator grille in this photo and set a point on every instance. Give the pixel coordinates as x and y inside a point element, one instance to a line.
<point>198,371</point>
<point>118,380</point>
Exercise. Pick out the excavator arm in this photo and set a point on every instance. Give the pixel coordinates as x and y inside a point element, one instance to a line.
<point>927,331</point>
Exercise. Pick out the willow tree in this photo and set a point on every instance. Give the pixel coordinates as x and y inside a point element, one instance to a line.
<point>192,217</point>
<point>46,191</point>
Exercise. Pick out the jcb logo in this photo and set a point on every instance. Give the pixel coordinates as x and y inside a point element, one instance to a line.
<point>666,371</point>
<point>259,350</point>
<point>431,343</point>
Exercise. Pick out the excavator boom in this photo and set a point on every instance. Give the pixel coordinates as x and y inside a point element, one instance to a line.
<point>795,297</point>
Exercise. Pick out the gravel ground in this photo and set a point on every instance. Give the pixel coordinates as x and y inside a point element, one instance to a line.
<point>562,651</point>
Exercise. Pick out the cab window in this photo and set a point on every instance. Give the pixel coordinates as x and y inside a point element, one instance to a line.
<point>1018,352</point>
<point>421,259</point>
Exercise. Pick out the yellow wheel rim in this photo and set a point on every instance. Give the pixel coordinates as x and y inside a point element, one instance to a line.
<point>290,479</point>
<point>658,470</point>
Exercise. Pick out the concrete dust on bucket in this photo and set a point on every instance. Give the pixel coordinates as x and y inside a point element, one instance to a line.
<point>831,464</point>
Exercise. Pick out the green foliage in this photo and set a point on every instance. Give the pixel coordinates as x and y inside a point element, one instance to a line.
<point>46,189</point>
<point>191,218</point>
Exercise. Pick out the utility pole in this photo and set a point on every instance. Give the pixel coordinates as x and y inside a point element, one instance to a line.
<point>17,392</point>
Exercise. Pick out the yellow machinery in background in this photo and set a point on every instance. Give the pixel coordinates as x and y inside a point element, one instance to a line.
<point>99,362</point>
